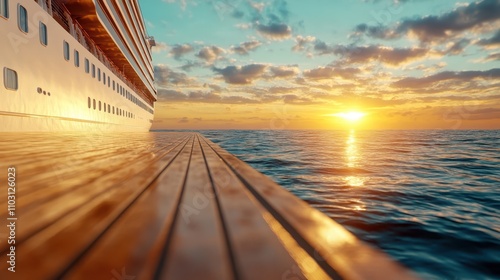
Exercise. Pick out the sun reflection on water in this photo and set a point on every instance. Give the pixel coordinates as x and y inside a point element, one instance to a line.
<point>354,181</point>
<point>353,160</point>
<point>351,150</point>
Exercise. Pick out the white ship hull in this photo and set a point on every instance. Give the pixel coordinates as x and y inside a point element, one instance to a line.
<point>55,95</point>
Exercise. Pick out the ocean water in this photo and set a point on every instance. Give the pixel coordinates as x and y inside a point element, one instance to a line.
<point>429,199</point>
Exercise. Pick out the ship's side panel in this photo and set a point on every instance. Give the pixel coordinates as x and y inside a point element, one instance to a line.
<point>54,94</point>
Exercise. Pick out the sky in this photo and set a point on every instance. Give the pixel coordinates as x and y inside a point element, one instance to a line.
<point>295,64</point>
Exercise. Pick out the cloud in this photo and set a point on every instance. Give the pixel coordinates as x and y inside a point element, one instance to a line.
<point>462,76</point>
<point>245,47</point>
<point>211,53</point>
<point>492,57</point>
<point>493,42</point>
<point>159,47</point>
<point>241,75</point>
<point>259,7</point>
<point>302,42</point>
<point>321,73</point>
<point>283,71</point>
<point>184,120</point>
<point>363,54</point>
<point>298,100</point>
<point>243,26</point>
<point>165,76</point>
<point>169,94</point>
<point>178,51</point>
<point>202,97</point>
<point>471,17</point>
<point>274,31</point>
<point>457,47</point>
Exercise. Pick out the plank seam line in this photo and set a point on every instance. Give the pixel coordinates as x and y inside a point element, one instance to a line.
<point>163,254</point>
<point>234,267</point>
<point>301,241</point>
<point>90,244</point>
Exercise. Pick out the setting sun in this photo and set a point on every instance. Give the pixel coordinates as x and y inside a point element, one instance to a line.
<point>350,116</point>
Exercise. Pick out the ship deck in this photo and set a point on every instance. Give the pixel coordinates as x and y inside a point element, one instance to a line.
<point>164,205</point>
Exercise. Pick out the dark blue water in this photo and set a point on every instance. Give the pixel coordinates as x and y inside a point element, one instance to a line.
<point>430,199</point>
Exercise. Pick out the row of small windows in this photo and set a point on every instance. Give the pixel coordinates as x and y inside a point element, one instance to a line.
<point>107,108</point>
<point>22,20</point>
<point>106,79</point>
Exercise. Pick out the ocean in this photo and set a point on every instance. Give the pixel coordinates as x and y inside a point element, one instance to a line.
<point>429,199</point>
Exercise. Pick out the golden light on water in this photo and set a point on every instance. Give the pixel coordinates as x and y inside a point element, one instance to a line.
<point>353,159</point>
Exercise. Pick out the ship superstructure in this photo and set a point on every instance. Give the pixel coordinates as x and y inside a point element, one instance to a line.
<point>72,65</point>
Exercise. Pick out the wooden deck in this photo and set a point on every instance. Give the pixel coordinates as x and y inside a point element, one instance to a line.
<point>164,206</point>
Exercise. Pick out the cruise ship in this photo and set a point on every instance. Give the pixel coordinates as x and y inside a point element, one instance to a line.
<point>75,65</point>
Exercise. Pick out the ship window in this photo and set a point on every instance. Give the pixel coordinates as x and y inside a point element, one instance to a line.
<point>113,85</point>
<point>90,103</point>
<point>23,19</point>
<point>104,78</point>
<point>66,50</point>
<point>94,104</point>
<point>99,105</point>
<point>99,74</point>
<point>77,58</point>
<point>93,70</point>
<point>4,8</point>
<point>109,107</point>
<point>109,81</point>
<point>104,107</point>
<point>43,34</point>
<point>10,79</point>
<point>87,66</point>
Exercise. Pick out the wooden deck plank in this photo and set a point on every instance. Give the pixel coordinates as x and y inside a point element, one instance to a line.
<point>257,251</point>
<point>72,234</point>
<point>336,250</point>
<point>67,153</point>
<point>197,248</point>
<point>44,186</point>
<point>76,195</point>
<point>138,237</point>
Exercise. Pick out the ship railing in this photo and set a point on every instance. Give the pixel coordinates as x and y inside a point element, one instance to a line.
<point>60,14</point>
<point>46,5</point>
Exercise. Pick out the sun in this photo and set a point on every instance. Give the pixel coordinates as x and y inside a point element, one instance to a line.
<point>352,116</point>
